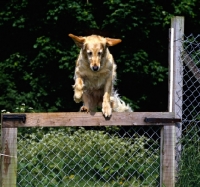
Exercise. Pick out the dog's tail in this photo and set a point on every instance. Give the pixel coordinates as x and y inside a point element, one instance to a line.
<point>118,105</point>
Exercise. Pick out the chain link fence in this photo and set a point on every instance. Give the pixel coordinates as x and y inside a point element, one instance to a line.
<point>191,80</point>
<point>189,152</point>
<point>90,156</point>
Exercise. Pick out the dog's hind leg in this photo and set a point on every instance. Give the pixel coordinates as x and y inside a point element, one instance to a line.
<point>84,109</point>
<point>90,104</point>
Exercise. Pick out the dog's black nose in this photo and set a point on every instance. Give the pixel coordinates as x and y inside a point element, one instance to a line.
<point>95,68</point>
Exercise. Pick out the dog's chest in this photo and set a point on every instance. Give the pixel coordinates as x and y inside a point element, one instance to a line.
<point>95,82</point>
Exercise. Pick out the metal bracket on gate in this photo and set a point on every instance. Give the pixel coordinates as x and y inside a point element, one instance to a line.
<point>162,120</point>
<point>14,117</point>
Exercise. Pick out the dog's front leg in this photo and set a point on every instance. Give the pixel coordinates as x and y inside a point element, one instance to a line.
<point>78,90</point>
<point>106,107</point>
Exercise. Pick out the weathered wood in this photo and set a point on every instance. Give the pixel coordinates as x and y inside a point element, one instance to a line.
<point>8,173</point>
<point>86,119</point>
<point>168,156</point>
<point>178,24</point>
<point>167,144</point>
<point>188,61</point>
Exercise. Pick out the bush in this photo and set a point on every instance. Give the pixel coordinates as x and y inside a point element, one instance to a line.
<point>76,157</point>
<point>189,166</point>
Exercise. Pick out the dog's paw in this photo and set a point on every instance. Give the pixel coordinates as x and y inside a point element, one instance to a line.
<point>84,109</point>
<point>107,110</point>
<point>77,100</point>
<point>78,96</point>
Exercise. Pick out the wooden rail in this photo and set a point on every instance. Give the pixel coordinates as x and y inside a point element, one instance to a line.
<point>86,119</point>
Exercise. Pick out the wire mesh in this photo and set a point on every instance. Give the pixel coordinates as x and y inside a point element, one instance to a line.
<point>191,80</point>
<point>78,156</point>
<point>189,152</point>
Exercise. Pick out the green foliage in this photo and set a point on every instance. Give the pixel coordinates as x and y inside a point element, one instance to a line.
<point>20,109</point>
<point>70,157</point>
<point>185,6</point>
<point>38,58</point>
<point>189,166</point>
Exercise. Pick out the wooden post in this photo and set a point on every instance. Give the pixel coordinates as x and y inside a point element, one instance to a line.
<point>167,132</point>
<point>171,134</point>
<point>8,172</point>
<point>178,24</point>
<point>167,157</point>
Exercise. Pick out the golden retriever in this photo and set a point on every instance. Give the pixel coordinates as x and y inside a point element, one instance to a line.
<point>95,74</point>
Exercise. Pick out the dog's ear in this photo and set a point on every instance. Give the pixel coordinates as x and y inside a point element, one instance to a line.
<point>112,41</point>
<point>79,40</point>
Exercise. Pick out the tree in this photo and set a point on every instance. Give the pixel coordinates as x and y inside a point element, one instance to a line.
<point>38,58</point>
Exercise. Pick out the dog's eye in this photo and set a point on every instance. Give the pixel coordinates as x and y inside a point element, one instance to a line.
<point>89,53</point>
<point>99,53</point>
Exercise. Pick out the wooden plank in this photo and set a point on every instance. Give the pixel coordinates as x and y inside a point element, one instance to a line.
<point>178,24</point>
<point>8,173</point>
<point>167,132</point>
<point>168,156</point>
<point>87,119</point>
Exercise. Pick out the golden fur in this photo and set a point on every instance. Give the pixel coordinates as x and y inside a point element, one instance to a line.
<point>95,74</point>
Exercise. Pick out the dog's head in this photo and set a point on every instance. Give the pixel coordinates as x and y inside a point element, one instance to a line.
<point>94,48</point>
